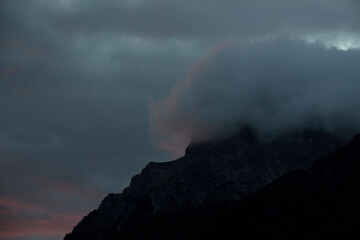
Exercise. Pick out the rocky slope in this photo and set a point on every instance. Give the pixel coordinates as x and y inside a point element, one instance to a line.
<point>209,173</point>
<point>319,203</point>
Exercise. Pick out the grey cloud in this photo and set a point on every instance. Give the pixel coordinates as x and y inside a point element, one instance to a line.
<point>76,76</point>
<point>200,19</point>
<point>208,20</point>
<point>68,118</point>
<point>274,86</point>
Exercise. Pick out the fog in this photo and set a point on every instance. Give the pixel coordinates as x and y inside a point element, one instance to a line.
<point>275,85</point>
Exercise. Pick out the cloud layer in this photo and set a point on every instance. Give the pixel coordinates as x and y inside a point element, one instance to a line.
<point>273,85</point>
<point>76,75</point>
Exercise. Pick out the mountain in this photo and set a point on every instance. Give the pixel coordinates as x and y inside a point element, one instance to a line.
<point>321,202</point>
<point>209,174</point>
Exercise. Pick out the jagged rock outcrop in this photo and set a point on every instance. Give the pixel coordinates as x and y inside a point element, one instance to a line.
<point>319,203</point>
<point>209,173</point>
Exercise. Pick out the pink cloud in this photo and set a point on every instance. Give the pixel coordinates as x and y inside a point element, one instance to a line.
<point>56,225</point>
<point>22,218</point>
<point>15,205</point>
<point>38,222</point>
<point>167,134</point>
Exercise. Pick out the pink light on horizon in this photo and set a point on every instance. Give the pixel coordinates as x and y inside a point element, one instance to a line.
<point>24,218</point>
<point>21,219</point>
<point>57,224</point>
<point>15,205</point>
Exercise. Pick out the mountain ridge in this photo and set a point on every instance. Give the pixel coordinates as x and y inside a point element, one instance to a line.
<point>321,202</point>
<point>208,173</point>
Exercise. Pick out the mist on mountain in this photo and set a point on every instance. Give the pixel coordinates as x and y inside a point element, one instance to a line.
<point>275,85</point>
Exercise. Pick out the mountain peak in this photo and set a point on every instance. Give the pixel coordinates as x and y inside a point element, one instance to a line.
<point>210,172</point>
<point>245,135</point>
<point>321,202</point>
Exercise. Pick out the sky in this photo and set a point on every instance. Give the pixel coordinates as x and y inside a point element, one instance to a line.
<point>91,91</point>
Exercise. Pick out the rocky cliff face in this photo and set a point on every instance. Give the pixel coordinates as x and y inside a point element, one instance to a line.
<point>209,173</point>
<point>321,202</point>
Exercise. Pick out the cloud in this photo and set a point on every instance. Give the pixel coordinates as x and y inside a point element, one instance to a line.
<point>14,225</point>
<point>21,219</point>
<point>75,77</point>
<point>273,85</point>
<point>213,20</point>
<point>40,215</point>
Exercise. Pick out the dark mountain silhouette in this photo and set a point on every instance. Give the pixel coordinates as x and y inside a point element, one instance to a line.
<point>205,181</point>
<point>322,202</point>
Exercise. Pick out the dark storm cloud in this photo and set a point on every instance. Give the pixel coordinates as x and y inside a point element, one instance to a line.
<point>203,18</point>
<point>272,85</point>
<point>76,76</point>
<point>73,117</point>
<point>206,20</point>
